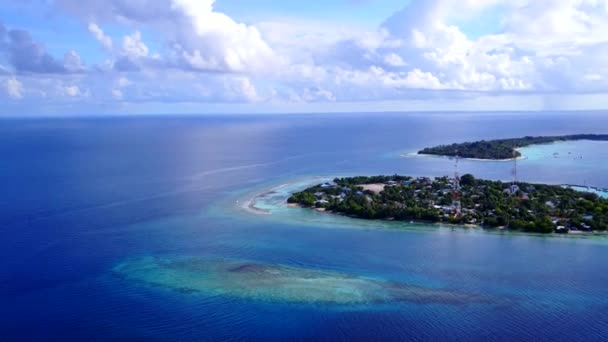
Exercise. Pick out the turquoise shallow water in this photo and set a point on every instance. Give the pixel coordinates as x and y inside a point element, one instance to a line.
<point>572,162</point>
<point>280,283</point>
<point>600,192</point>
<point>140,229</point>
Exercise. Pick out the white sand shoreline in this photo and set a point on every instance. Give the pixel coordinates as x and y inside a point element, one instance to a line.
<point>250,206</point>
<point>416,154</point>
<point>522,157</point>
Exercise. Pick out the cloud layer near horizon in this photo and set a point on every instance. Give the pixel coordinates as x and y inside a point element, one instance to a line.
<point>186,51</point>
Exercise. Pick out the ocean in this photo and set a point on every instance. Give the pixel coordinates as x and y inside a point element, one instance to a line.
<point>138,228</point>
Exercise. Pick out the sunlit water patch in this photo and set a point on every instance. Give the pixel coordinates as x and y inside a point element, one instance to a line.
<point>280,283</point>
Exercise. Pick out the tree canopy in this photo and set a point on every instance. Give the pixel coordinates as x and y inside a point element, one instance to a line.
<point>531,207</point>
<point>502,148</point>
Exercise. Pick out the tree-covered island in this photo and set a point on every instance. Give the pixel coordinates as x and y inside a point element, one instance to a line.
<point>520,206</point>
<point>501,149</point>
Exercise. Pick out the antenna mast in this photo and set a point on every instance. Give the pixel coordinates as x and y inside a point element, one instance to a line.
<point>514,171</point>
<point>456,188</point>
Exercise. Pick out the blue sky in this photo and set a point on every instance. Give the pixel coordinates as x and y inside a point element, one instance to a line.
<point>71,57</point>
<point>365,13</point>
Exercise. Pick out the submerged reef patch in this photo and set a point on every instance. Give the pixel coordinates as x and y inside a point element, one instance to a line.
<point>279,283</point>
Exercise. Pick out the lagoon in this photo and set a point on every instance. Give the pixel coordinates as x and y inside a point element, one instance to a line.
<point>94,209</point>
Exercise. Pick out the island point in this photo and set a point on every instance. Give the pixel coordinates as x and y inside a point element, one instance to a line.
<point>502,149</point>
<point>465,200</point>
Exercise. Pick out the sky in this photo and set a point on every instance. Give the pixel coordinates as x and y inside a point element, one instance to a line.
<point>75,57</point>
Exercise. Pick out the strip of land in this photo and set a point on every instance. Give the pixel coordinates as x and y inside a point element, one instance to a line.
<point>501,149</point>
<point>519,206</point>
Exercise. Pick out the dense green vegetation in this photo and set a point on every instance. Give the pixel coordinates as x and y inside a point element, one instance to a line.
<point>522,206</point>
<point>502,148</point>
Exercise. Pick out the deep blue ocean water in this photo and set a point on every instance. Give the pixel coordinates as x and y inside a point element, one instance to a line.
<point>80,196</point>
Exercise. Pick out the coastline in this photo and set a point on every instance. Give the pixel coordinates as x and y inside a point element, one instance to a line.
<point>417,154</point>
<point>602,192</point>
<point>251,206</point>
<point>467,226</point>
<point>518,149</point>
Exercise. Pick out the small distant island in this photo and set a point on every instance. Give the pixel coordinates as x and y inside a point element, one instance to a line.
<point>518,206</point>
<point>501,149</point>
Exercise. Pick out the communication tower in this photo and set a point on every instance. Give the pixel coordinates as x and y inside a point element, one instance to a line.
<point>514,171</point>
<point>456,187</point>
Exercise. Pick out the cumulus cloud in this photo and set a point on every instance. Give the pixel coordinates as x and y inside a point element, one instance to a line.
<point>394,59</point>
<point>72,62</point>
<point>119,86</point>
<point>30,56</point>
<point>117,93</point>
<point>72,91</point>
<point>578,22</point>
<point>98,33</point>
<point>243,87</point>
<point>313,94</point>
<point>190,51</point>
<point>132,54</point>
<point>199,38</point>
<point>213,41</point>
<point>123,82</point>
<point>518,58</point>
<point>14,88</point>
<point>132,46</point>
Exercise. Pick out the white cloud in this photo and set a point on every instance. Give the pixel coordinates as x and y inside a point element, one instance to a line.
<point>71,91</point>
<point>394,59</point>
<point>3,69</point>
<point>299,40</point>
<point>123,82</point>
<point>378,39</point>
<point>593,77</point>
<point>242,88</point>
<point>213,41</point>
<point>414,79</point>
<point>133,46</point>
<point>203,55</point>
<point>117,94</point>
<point>105,41</point>
<point>535,35</point>
<point>118,88</point>
<point>14,88</point>
<point>419,79</point>
<point>72,62</point>
<point>550,22</point>
<point>318,94</point>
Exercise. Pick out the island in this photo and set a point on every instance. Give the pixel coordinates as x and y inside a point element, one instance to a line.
<point>501,149</point>
<point>465,200</point>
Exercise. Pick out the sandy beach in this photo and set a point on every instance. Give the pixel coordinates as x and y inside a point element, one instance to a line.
<point>416,154</point>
